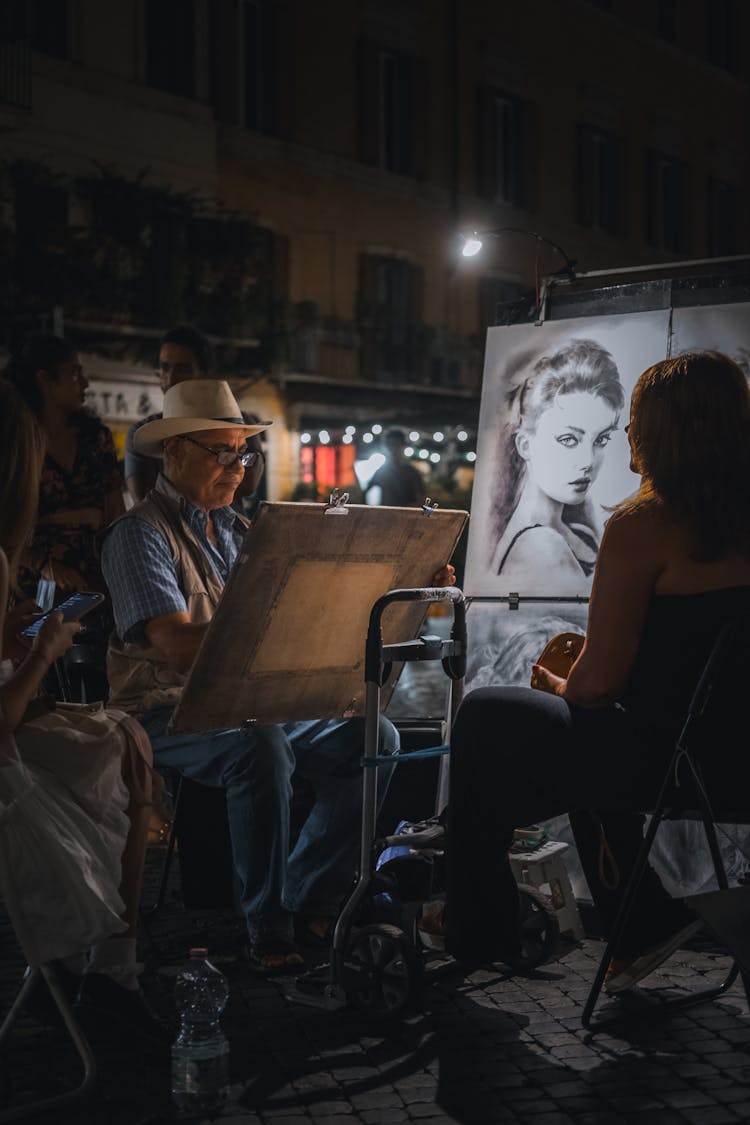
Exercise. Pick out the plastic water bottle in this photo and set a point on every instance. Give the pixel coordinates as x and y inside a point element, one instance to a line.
<point>200,1053</point>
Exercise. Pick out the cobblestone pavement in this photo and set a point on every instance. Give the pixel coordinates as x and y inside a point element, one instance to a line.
<point>487,1048</point>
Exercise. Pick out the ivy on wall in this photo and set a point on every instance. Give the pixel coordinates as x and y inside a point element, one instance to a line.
<point>115,251</point>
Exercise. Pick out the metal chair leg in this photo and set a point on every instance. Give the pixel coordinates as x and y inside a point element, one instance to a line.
<point>626,906</point>
<point>86,1055</point>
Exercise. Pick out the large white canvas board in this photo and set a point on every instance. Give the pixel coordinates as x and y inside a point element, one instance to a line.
<point>577,462</point>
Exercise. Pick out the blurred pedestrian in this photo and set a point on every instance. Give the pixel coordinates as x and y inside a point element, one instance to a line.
<point>396,483</point>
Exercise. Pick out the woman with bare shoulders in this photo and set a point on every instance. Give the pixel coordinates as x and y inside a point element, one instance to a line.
<point>673,568</point>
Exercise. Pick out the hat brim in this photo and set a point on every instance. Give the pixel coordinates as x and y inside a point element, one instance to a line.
<point>149,438</point>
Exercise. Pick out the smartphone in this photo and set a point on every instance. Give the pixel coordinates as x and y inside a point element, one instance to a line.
<point>72,609</point>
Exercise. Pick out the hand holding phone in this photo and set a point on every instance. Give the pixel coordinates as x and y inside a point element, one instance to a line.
<point>72,609</point>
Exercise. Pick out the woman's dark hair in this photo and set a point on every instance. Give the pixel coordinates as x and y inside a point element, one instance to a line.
<point>21,456</point>
<point>690,436</point>
<point>42,352</point>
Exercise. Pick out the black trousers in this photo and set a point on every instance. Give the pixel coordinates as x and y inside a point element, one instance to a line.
<point>518,756</point>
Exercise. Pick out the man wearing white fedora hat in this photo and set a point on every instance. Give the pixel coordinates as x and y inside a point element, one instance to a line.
<point>165,563</point>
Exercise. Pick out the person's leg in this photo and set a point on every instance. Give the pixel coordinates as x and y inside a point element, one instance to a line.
<point>608,844</point>
<point>325,858</point>
<point>517,756</point>
<point>254,767</point>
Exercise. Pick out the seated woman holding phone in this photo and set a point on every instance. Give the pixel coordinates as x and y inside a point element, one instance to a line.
<point>672,569</point>
<point>78,777</point>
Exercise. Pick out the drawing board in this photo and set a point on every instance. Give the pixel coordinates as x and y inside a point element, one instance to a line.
<point>287,641</point>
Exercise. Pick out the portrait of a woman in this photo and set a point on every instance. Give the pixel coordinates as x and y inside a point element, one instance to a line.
<point>562,413</point>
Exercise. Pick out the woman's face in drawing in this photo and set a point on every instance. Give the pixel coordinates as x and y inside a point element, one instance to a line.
<point>564,454</point>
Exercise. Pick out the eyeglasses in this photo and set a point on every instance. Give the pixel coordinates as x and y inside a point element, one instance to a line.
<point>226,457</point>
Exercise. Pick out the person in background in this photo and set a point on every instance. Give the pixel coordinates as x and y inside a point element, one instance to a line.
<point>81,487</point>
<point>672,569</point>
<point>185,353</point>
<point>562,417</point>
<point>396,483</point>
<point>80,493</point>
<point>76,789</point>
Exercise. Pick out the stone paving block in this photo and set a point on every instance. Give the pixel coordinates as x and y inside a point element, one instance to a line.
<point>713,1115</point>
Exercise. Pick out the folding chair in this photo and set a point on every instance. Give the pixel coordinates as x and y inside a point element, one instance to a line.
<point>26,828</point>
<point>674,804</point>
<point>86,1085</point>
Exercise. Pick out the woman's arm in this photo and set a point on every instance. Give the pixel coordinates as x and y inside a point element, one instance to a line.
<point>52,640</point>
<point>629,563</point>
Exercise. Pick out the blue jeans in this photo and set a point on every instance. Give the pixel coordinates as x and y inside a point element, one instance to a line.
<point>255,768</point>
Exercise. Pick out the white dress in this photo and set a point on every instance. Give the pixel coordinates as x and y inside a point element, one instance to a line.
<point>63,827</point>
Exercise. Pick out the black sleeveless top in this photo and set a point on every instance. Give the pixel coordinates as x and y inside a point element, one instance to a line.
<point>678,635</point>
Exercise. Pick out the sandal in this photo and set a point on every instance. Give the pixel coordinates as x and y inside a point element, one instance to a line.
<point>275,956</point>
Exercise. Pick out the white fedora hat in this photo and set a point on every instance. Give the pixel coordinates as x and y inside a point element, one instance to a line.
<point>192,406</point>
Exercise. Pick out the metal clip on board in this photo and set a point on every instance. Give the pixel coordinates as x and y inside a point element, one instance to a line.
<point>337,502</point>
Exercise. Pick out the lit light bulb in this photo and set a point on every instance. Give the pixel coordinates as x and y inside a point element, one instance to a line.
<point>462,435</point>
<point>409,451</point>
<point>377,428</point>
<point>471,246</point>
<point>434,457</point>
<point>350,430</point>
<point>413,436</point>
<point>367,438</point>
<point>424,454</point>
<point>471,456</point>
<point>304,438</point>
<point>324,437</point>
<point>438,435</point>
<point>347,439</point>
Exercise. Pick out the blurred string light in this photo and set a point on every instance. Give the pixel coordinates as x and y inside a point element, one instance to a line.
<point>324,437</point>
<point>461,435</point>
<point>424,454</point>
<point>471,456</point>
<point>414,436</point>
<point>350,430</point>
<point>377,428</point>
<point>347,439</point>
<point>305,438</point>
<point>409,451</point>
<point>434,457</point>
<point>367,438</point>
<point>438,436</point>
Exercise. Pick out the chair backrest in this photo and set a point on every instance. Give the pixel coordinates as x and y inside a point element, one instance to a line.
<point>711,692</point>
<point>714,670</point>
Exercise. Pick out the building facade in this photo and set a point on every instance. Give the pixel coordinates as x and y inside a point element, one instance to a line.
<point>295,178</point>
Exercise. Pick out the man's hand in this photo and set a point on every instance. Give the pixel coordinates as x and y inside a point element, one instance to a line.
<point>446,576</point>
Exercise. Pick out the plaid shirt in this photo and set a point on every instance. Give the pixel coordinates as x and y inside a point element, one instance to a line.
<point>139,571</point>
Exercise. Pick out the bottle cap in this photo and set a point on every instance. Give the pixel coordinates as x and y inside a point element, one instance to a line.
<point>198,951</point>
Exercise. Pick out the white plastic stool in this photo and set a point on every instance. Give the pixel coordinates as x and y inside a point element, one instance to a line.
<point>544,868</point>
